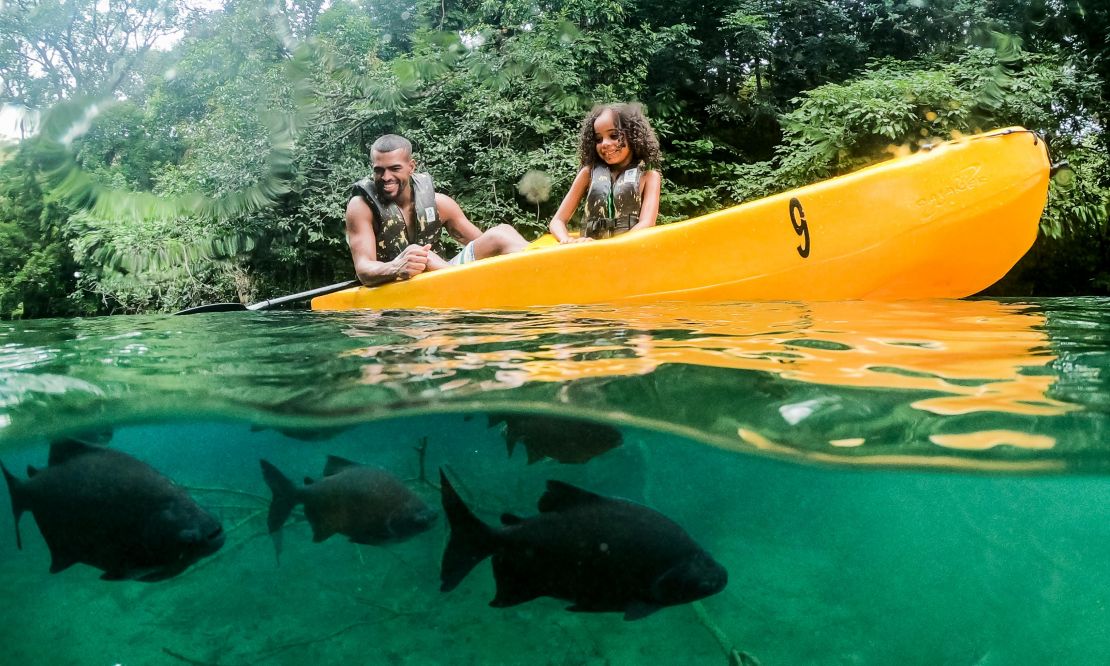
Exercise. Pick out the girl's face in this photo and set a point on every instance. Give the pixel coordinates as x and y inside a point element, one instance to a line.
<point>610,142</point>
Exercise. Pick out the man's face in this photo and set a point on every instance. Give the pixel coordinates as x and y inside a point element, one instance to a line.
<point>392,173</point>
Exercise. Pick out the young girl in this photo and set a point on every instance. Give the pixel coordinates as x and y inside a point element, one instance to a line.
<point>619,177</point>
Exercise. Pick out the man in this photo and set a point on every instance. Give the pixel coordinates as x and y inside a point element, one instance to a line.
<point>395,216</point>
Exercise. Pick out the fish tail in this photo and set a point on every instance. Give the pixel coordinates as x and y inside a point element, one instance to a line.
<point>285,496</point>
<point>471,540</point>
<point>15,489</point>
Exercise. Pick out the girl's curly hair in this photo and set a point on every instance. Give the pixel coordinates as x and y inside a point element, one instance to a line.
<point>634,126</point>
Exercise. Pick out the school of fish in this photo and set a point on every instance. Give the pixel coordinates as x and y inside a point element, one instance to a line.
<point>101,507</point>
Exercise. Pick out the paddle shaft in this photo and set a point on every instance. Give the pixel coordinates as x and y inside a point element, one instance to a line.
<point>264,305</point>
<point>319,291</point>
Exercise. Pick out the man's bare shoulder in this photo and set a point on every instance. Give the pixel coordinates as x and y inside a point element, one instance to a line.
<point>448,208</point>
<point>357,206</point>
<point>442,198</point>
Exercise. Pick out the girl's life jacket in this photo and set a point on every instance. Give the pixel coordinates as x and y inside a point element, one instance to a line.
<point>612,207</point>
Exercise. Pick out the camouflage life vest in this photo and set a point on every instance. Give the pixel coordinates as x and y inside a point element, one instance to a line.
<point>390,230</point>
<point>612,208</point>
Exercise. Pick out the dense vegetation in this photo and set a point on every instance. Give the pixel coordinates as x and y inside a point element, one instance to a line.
<point>174,155</point>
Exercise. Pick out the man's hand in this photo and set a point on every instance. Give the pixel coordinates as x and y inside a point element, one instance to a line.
<point>413,260</point>
<point>575,239</point>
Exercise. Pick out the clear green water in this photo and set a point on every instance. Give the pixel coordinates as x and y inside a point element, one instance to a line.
<point>914,483</point>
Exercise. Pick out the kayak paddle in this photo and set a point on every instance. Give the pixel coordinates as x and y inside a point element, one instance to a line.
<point>265,305</point>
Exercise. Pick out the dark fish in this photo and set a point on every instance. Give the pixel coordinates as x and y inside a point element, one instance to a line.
<point>601,553</point>
<point>106,509</point>
<point>558,438</point>
<point>367,504</point>
<point>302,434</point>
<point>98,436</point>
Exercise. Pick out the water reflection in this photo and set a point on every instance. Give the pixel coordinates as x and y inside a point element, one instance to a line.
<point>941,358</point>
<point>982,355</point>
<point>912,383</point>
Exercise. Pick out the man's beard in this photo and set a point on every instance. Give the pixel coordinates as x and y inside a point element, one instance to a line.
<point>379,187</point>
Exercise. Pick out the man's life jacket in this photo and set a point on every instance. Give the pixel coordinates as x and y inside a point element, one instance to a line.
<point>389,224</point>
<point>612,208</point>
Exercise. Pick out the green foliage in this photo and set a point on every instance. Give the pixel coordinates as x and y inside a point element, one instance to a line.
<point>513,103</point>
<point>839,128</point>
<point>1081,208</point>
<point>51,50</point>
<point>219,169</point>
<point>37,271</point>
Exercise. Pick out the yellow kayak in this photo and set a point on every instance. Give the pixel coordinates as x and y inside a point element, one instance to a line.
<point>941,223</point>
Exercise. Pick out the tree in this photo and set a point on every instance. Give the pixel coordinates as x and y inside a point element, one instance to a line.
<point>53,49</point>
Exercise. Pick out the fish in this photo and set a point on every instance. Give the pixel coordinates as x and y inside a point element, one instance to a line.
<point>302,434</point>
<point>366,504</point>
<point>109,510</point>
<point>570,441</point>
<point>603,554</point>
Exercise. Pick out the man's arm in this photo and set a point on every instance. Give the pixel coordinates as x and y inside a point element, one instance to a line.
<point>456,223</point>
<point>460,228</point>
<point>413,260</point>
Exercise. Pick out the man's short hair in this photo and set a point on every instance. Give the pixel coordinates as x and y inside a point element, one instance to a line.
<point>390,143</point>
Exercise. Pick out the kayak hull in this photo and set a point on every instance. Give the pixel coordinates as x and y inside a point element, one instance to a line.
<point>941,223</point>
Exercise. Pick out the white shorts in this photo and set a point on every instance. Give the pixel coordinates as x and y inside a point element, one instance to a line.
<point>464,257</point>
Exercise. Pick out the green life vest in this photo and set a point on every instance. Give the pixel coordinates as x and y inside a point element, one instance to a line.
<point>390,230</point>
<point>612,208</point>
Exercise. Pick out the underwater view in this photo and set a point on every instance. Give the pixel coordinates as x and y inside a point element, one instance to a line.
<point>748,483</point>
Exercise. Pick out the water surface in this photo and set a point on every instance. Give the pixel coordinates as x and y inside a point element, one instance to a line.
<point>913,482</point>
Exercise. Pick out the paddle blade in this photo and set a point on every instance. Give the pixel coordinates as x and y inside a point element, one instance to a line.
<point>213,307</point>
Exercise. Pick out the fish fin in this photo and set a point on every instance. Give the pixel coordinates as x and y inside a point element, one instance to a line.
<point>60,561</point>
<point>514,585</point>
<point>107,575</point>
<point>279,539</point>
<point>470,542</point>
<point>638,610</point>
<point>319,533</point>
<point>157,574</point>
<point>32,471</point>
<point>62,450</point>
<point>560,496</point>
<point>586,608</point>
<point>511,519</point>
<point>368,540</point>
<point>144,574</point>
<point>285,496</point>
<point>336,465</point>
<point>15,489</point>
<point>533,456</point>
